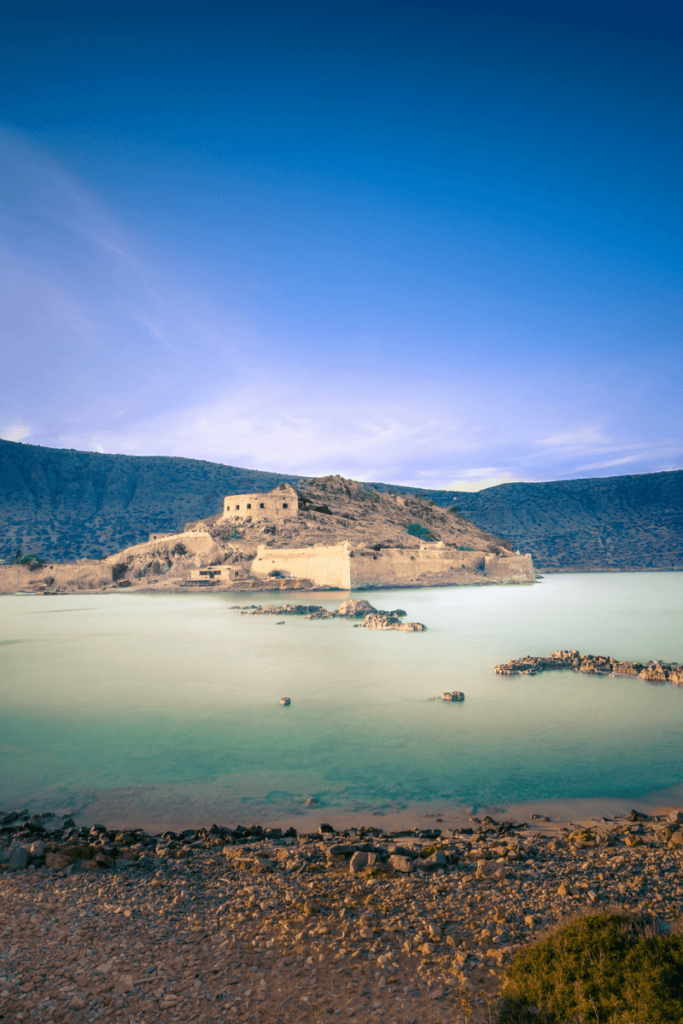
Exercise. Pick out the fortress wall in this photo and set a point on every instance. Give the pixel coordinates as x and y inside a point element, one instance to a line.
<point>325,566</point>
<point>82,575</point>
<point>399,566</point>
<point>516,568</point>
<point>196,542</point>
<point>18,577</point>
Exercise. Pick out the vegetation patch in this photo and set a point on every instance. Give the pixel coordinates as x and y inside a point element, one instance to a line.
<point>418,530</point>
<point>607,968</point>
<point>31,562</point>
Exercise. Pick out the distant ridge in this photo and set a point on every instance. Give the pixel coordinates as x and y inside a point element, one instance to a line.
<point>66,504</point>
<point>623,523</point>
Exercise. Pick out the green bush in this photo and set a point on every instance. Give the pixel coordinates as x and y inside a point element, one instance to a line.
<point>418,530</point>
<point>608,968</point>
<point>32,562</point>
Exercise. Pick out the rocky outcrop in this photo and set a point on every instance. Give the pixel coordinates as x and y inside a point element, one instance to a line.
<point>357,609</point>
<point>593,664</point>
<point>372,619</point>
<point>386,620</point>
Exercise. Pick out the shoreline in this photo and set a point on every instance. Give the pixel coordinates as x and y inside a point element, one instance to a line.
<point>561,812</point>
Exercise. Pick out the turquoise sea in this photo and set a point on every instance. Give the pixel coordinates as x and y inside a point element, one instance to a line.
<point>164,709</point>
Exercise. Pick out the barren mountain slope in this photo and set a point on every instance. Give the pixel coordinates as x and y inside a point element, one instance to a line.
<point>623,523</point>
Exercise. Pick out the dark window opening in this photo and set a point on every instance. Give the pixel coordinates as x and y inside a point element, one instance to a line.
<point>248,506</point>
<point>285,506</point>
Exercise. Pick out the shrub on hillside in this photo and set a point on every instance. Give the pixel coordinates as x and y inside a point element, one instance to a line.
<point>31,562</point>
<point>118,571</point>
<point>418,530</point>
<point>608,968</point>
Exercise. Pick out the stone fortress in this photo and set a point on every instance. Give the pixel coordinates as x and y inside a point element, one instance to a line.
<point>330,534</point>
<point>279,503</point>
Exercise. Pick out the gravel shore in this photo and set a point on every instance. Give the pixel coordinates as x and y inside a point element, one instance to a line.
<point>255,924</point>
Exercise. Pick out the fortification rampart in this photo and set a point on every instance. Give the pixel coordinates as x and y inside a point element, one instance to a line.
<point>82,575</point>
<point>403,566</point>
<point>512,569</point>
<point>343,567</point>
<point>326,566</point>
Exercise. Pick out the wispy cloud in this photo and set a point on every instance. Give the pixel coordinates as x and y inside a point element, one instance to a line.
<point>474,482</point>
<point>106,348</point>
<point>584,437</point>
<point>15,432</point>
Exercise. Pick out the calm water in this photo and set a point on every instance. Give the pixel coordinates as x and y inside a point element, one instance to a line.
<point>141,708</point>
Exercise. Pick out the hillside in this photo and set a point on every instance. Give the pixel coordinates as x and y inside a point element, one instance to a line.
<point>66,504</point>
<point>333,510</point>
<point>624,523</point>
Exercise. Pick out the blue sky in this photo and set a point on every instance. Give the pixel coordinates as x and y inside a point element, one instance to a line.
<point>428,243</point>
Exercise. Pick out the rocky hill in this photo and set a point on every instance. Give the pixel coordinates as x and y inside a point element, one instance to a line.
<point>333,510</point>
<point>66,504</point>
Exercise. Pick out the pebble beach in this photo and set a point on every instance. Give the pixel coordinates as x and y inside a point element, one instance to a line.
<point>261,924</point>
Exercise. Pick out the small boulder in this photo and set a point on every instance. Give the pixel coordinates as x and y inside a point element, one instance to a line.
<point>18,858</point>
<point>400,863</point>
<point>57,861</point>
<point>361,860</point>
<point>437,860</point>
<point>490,870</point>
<point>123,985</point>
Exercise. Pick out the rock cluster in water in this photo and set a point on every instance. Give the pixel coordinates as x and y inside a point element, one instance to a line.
<point>594,664</point>
<point>372,617</point>
<point>265,924</point>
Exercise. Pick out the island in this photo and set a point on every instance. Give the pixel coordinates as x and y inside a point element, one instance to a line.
<point>331,534</point>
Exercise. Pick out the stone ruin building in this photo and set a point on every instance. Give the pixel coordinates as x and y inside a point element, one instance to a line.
<point>279,503</point>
